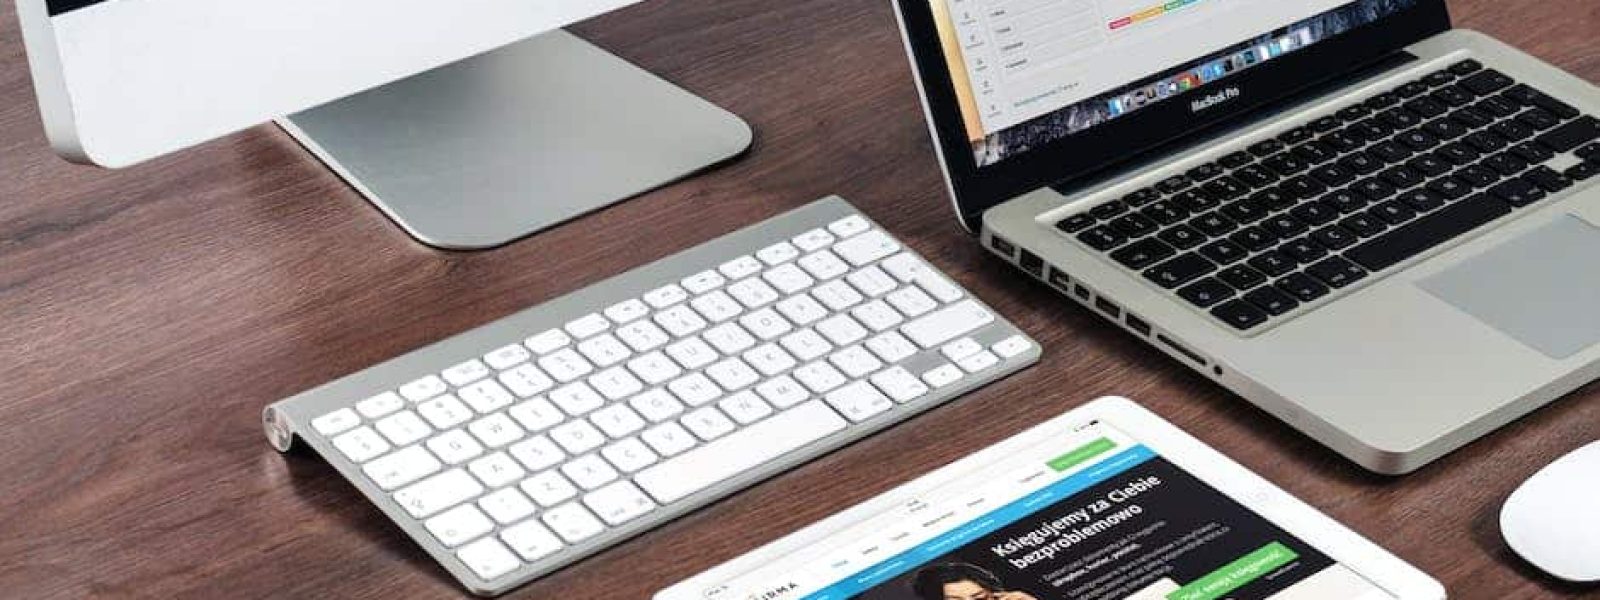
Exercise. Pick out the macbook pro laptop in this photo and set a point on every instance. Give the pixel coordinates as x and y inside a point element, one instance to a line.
<point>1375,227</point>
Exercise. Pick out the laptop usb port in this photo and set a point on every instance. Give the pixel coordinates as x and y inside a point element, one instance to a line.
<point>1060,281</point>
<point>1107,307</point>
<point>1137,324</point>
<point>1031,263</point>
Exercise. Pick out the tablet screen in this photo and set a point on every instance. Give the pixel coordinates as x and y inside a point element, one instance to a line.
<point>1091,514</point>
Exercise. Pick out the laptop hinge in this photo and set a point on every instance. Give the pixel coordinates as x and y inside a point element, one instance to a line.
<point>1211,134</point>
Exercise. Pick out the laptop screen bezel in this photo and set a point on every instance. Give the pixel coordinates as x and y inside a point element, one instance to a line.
<point>1079,156</point>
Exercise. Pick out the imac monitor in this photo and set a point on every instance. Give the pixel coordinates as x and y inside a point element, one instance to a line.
<point>532,129</point>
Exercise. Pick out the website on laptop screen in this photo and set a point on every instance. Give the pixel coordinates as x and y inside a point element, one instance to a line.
<point>1029,72</point>
<point>1090,515</point>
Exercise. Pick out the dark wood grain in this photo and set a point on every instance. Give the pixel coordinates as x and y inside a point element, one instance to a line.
<point>147,315</point>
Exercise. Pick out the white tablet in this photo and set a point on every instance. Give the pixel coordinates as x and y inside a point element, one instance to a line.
<point>1106,502</point>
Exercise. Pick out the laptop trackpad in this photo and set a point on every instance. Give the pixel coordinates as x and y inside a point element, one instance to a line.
<point>1541,288</point>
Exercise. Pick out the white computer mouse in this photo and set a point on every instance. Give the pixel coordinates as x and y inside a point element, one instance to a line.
<point>1553,520</point>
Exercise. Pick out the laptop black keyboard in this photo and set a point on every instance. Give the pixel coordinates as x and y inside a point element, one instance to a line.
<point>1287,221</point>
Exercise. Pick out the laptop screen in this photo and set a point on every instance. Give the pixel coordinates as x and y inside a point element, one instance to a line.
<point>1031,72</point>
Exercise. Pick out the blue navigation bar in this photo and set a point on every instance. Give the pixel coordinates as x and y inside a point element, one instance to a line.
<point>984,525</point>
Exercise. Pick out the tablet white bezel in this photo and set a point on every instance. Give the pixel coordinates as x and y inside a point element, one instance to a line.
<point>1166,440</point>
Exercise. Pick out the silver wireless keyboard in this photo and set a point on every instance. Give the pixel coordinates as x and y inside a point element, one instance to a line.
<point>519,447</point>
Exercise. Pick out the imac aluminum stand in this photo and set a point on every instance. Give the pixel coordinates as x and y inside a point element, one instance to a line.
<point>496,147</point>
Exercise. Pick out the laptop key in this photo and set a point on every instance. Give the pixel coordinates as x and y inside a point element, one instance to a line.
<point>1302,287</point>
<point>1458,153</point>
<point>1204,172</point>
<point>1479,176</point>
<point>1589,153</point>
<point>1303,250</point>
<point>1271,300</point>
<point>1335,237</point>
<point>1392,212</point>
<point>1390,151</point>
<point>1345,200</point>
<point>1518,192</point>
<point>1265,148</point>
<point>1568,137</point>
<point>1453,95</point>
<point>1410,89</point>
<point>1402,177</point>
<point>1486,141</point>
<point>1283,226</point>
<point>1422,199</point>
<point>1432,230</point>
<point>1446,129</point>
<point>1314,213</point>
<point>1382,101</point>
<point>1336,272</point>
<point>1532,97</point>
<point>1582,171</point>
<point>1134,225</point>
<point>1142,253</point>
<point>1487,82</point>
<point>1173,184</point>
<point>1213,224</point>
<point>1242,277</point>
<point>1547,179</point>
<point>1075,223</point>
<point>1142,197</point>
<point>1471,117</point>
<point>1333,175</point>
<point>1255,176</point>
<point>1239,314</point>
<point>1515,131</point>
<point>1206,292</point>
<point>1506,163</point>
<point>1224,252</point>
<point>1243,211</point>
<point>1315,152</point>
<point>1361,162</point>
<point>1342,141</point>
<point>1438,78</point>
<point>1497,106</point>
<point>1466,67</point>
<point>1182,237</point>
<point>1254,239</point>
<point>1102,238</point>
<point>1109,209</point>
<point>1180,270</point>
<point>1364,225</point>
<point>1273,263</point>
<point>1304,188</point>
<point>1418,139</point>
<point>1539,119</point>
<point>1197,201</point>
<point>1374,188</point>
<point>1165,213</point>
<point>1286,164</point>
<point>1535,153</point>
<point>1236,160</point>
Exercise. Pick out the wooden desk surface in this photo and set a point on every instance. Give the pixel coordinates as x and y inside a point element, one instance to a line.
<point>147,315</point>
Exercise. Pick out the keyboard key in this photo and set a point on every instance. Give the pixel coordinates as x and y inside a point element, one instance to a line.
<point>619,503</point>
<point>978,362</point>
<point>400,468</point>
<point>1179,271</point>
<point>1449,222</point>
<point>1334,237</point>
<point>629,455</point>
<point>1487,82</point>
<point>486,396</point>
<point>336,422</point>
<point>437,493</point>
<point>849,226</point>
<point>776,254</point>
<point>444,412</point>
<point>1206,292</point>
<point>1254,239</point>
<point>538,453</point>
<point>1336,272</point>
<point>1240,315</point>
<point>488,558</point>
<point>378,406</point>
<point>1302,287</point>
<point>736,269</point>
<point>1076,223</point>
<point>1517,192</point>
<point>1134,225</point>
<point>403,428</point>
<point>459,525</point>
<point>629,310</point>
<point>496,470</point>
<point>1142,253</point>
<point>668,439</point>
<point>589,472</point>
<point>866,248</point>
<point>424,388</point>
<point>859,401</point>
<point>1273,263</point>
<point>577,436</point>
<point>507,506</point>
<point>1363,225</point>
<point>1271,300</point>
<point>1241,277</point>
<point>901,386</point>
<point>572,522</point>
<point>1568,137</point>
<point>527,381</point>
<point>549,488</point>
<point>466,372</point>
<point>1109,209</point>
<point>1181,237</point>
<point>1303,250</point>
<point>946,324</point>
<point>1223,252</point>
<point>697,469</point>
<point>531,540</point>
<point>1213,224</point>
<point>455,447</point>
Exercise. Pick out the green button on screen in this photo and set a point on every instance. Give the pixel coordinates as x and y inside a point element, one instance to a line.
<point>1234,575</point>
<point>1083,453</point>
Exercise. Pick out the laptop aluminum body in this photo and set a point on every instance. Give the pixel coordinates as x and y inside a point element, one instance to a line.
<point>1393,371</point>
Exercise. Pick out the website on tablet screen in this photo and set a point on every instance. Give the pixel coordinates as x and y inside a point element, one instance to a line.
<point>1092,515</point>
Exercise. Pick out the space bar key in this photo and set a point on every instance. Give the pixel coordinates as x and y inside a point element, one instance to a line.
<point>739,452</point>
